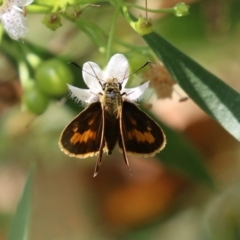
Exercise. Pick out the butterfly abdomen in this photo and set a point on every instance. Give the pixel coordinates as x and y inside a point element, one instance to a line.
<point>111,133</point>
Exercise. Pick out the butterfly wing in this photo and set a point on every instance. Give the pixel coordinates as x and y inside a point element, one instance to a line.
<point>82,137</point>
<point>141,135</point>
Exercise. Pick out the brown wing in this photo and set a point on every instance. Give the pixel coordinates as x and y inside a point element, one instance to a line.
<point>142,136</point>
<point>81,137</point>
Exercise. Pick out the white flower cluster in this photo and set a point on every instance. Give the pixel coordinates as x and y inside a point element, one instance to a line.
<point>11,15</point>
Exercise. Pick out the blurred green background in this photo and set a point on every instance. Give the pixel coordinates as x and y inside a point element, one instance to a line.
<point>158,201</point>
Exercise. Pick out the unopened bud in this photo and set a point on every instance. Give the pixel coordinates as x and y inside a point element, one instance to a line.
<point>73,11</point>
<point>143,26</point>
<point>52,20</point>
<point>181,9</point>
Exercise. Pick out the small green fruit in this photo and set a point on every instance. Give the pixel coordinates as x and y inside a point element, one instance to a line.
<point>52,77</point>
<point>34,100</point>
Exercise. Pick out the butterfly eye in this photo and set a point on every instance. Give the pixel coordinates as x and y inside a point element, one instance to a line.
<point>104,86</point>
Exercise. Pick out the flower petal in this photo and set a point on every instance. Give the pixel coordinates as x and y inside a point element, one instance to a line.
<point>134,93</point>
<point>118,67</point>
<point>14,23</point>
<point>92,74</point>
<point>20,3</point>
<point>82,95</point>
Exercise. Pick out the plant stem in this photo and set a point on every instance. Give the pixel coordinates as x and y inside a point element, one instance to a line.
<point>111,35</point>
<point>163,10</point>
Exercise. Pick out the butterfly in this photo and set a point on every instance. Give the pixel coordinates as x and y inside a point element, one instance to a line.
<point>111,117</point>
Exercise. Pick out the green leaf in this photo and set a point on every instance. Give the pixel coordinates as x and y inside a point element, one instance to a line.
<point>20,225</point>
<point>214,96</point>
<point>181,155</point>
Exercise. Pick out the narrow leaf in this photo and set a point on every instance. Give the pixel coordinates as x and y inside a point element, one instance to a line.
<point>214,96</point>
<point>20,225</point>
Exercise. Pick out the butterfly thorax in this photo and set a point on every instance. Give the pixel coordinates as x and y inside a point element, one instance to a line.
<point>112,99</point>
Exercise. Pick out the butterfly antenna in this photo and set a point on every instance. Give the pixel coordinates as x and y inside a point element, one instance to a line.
<point>143,66</point>
<point>125,75</point>
<point>95,75</point>
<point>75,64</point>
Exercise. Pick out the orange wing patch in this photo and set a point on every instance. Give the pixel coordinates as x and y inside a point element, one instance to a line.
<point>140,136</point>
<point>84,137</point>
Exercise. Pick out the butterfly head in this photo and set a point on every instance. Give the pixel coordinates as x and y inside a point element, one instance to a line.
<point>112,87</point>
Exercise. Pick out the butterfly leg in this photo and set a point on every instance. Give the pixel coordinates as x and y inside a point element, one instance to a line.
<point>123,142</point>
<point>98,163</point>
<point>99,160</point>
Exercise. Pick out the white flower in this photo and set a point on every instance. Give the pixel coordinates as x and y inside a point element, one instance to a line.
<point>11,15</point>
<point>118,68</point>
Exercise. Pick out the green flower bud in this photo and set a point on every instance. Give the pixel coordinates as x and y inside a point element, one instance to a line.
<point>143,26</point>
<point>52,20</point>
<point>181,9</point>
<point>73,11</point>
